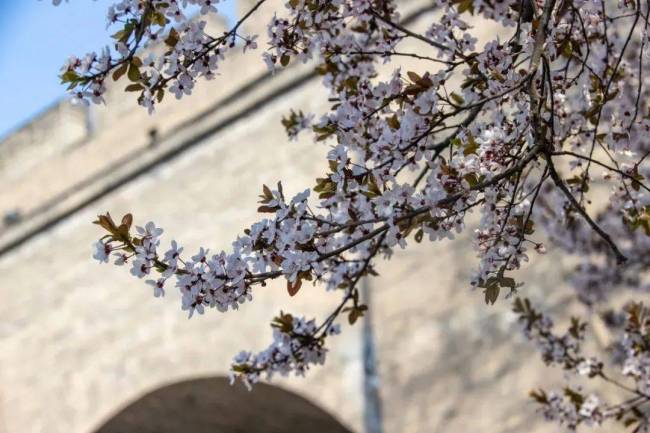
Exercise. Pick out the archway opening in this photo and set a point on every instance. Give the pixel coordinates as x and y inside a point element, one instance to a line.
<point>211,405</point>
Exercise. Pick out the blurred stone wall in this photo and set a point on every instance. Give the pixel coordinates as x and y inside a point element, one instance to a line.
<point>79,341</point>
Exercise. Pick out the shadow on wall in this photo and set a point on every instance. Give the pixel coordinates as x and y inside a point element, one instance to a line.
<point>213,406</point>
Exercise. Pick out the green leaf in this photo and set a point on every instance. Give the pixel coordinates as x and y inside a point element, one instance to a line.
<point>472,146</point>
<point>124,34</point>
<point>134,72</point>
<point>492,291</point>
<point>69,77</point>
<point>465,6</point>
<point>158,18</point>
<point>457,98</point>
<point>134,87</point>
<point>471,179</point>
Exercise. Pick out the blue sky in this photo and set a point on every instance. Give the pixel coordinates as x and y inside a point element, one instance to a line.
<point>35,40</point>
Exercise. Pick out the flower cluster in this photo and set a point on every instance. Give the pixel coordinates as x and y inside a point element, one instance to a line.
<point>571,408</point>
<point>574,406</point>
<point>297,344</point>
<point>526,128</point>
<point>190,51</point>
<point>636,342</point>
<point>560,350</point>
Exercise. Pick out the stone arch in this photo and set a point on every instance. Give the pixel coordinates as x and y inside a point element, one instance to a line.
<point>211,405</point>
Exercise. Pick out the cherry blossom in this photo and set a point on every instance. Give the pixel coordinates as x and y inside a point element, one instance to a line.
<point>528,129</point>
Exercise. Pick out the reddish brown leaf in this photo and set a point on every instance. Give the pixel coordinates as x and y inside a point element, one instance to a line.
<point>293,288</point>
